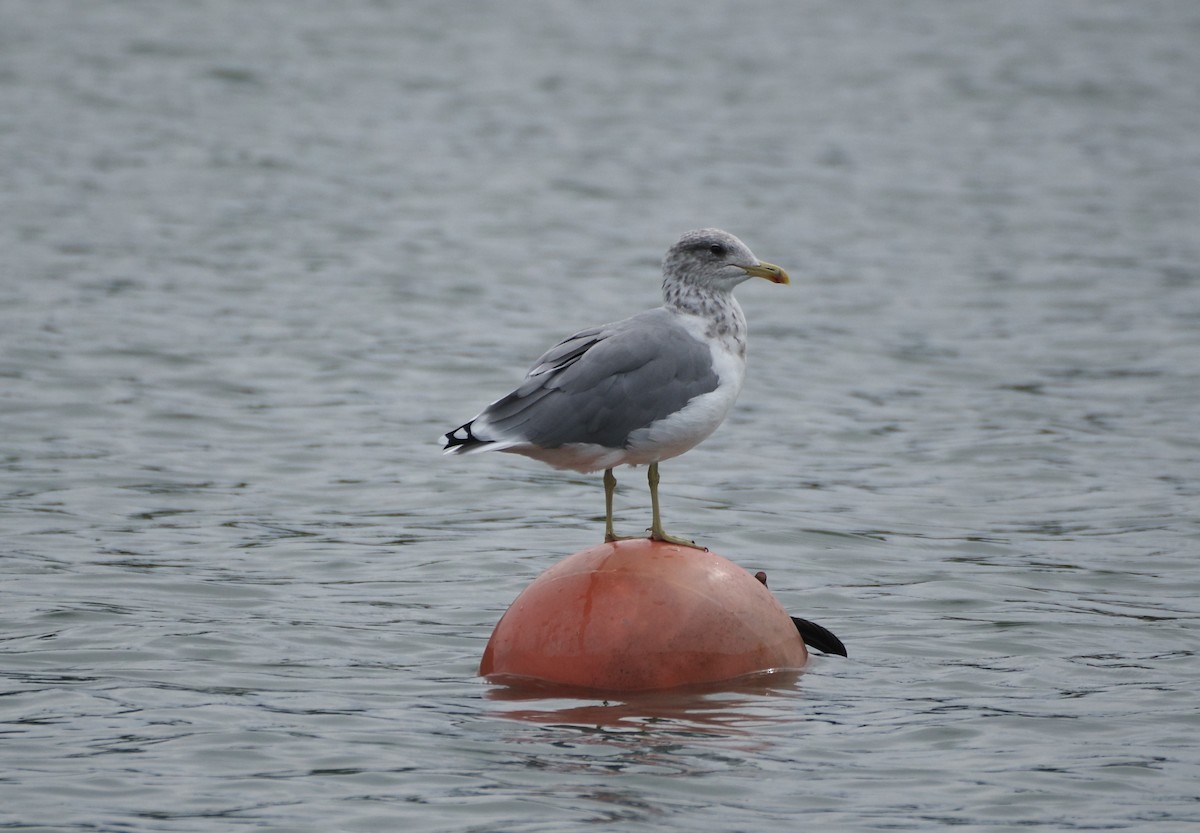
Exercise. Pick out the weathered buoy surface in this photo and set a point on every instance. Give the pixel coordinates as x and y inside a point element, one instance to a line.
<point>641,615</point>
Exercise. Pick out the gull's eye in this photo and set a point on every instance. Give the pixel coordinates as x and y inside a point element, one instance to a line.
<point>717,249</point>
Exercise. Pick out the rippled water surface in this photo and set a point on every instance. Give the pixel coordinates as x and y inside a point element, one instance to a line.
<point>257,257</point>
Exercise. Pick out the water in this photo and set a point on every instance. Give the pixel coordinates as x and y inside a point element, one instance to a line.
<point>258,256</point>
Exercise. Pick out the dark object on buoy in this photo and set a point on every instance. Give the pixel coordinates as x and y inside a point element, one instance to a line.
<point>642,615</point>
<point>813,634</point>
<point>818,637</point>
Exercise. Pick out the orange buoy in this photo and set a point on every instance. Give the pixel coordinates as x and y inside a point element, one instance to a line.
<point>640,615</point>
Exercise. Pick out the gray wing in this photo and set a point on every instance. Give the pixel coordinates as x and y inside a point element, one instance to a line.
<point>602,384</point>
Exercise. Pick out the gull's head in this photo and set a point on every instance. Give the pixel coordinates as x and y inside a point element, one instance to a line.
<point>715,259</point>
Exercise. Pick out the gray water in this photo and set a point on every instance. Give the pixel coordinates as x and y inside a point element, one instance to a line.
<point>256,257</point>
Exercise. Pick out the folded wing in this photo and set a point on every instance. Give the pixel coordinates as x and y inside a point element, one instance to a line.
<point>598,387</point>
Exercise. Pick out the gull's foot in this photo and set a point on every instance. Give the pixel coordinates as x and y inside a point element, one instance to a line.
<point>660,535</point>
<point>610,538</point>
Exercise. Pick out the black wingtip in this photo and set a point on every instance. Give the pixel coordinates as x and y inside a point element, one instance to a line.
<point>818,637</point>
<point>460,439</point>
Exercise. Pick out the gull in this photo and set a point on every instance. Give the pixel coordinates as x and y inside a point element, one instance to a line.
<point>637,391</point>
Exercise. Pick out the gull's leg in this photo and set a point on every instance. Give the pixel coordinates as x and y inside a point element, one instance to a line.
<point>657,533</point>
<point>610,486</point>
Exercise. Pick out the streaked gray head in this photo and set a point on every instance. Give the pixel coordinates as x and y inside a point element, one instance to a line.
<point>716,260</point>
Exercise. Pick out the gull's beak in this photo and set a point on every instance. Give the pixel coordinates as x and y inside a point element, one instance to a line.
<point>769,271</point>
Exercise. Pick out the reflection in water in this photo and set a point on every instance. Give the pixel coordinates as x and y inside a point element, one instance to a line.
<point>731,708</point>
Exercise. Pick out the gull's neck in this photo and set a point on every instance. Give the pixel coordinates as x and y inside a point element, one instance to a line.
<point>719,309</point>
